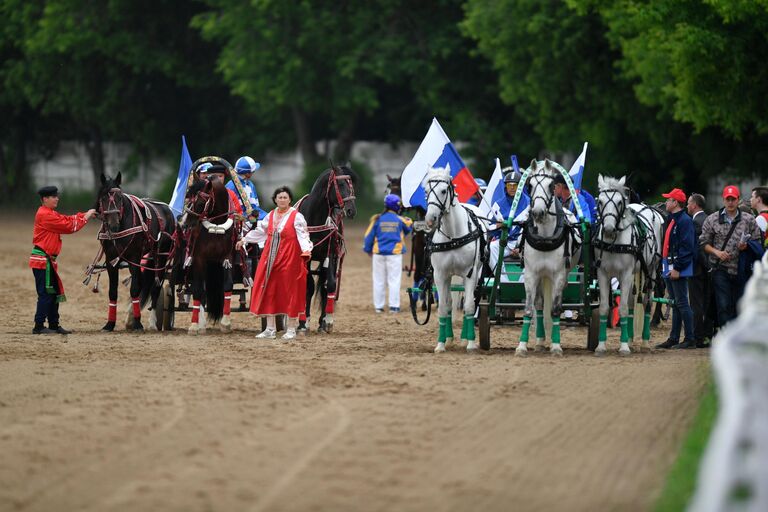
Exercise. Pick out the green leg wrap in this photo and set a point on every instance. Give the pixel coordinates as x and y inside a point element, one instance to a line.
<point>631,324</point>
<point>443,321</point>
<point>448,327</point>
<point>468,328</point>
<point>602,334</point>
<point>624,330</point>
<point>556,329</point>
<point>526,329</point>
<point>540,334</point>
<point>647,326</point>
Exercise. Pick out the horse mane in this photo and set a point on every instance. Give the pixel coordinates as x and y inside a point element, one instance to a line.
<point>342,170</point>
<point>611,183</point>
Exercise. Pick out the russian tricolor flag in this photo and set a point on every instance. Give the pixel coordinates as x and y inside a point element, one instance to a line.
<point>436,150</point>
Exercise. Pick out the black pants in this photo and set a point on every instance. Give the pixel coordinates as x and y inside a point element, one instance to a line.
<point>700,290</point>
<point>47,307</point>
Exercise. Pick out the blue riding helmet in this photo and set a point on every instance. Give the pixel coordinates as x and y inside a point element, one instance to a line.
<point>392,202</point>
<point>203,168</point>
<point>246,164</point>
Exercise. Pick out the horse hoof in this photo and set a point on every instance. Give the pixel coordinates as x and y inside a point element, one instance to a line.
<point>472,346</point>
<point>624,353</point>
<point>193,330</point>
<point>521,352</point>
<point>226,328</point>
<point>540,347</point>
<point>440,348</point>
<point>599,353</point>
<point>556,351</point>
<point>109,327</point>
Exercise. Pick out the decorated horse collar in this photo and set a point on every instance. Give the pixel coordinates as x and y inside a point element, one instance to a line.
<point>547,243</point>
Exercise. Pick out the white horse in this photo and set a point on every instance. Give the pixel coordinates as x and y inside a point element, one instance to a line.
<point>628,247</point>
<point>550,241</point>
<point>455,250</point>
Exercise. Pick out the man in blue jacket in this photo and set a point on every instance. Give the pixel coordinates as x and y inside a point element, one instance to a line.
<point>385,242</point>
<point>678,255</point>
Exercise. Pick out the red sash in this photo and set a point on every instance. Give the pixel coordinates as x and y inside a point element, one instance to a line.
<point>665,247</point>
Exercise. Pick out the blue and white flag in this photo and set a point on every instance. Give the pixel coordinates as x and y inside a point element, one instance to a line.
<point>577,169</point>
<point>180,190</point>
<point>436,150</point>
<point>493,194</point>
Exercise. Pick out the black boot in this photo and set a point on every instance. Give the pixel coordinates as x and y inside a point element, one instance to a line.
<point>686,344</point>
<point>41,329</point>
<point>667,344</point>
<point>60,330</point>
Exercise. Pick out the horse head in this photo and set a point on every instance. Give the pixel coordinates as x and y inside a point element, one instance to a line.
<point>109,202</point>
<point>611,203</point>
<point>394,186</point>
<point>199,202</point>
<point>341,190</point>
<point>541,189</point>
<point>438,187</point>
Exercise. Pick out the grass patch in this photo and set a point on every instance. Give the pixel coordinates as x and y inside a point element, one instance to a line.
<point>681,480</point>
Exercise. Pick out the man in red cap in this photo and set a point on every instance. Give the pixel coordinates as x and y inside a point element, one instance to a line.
<point>724,235</point>
<point>677,258</point>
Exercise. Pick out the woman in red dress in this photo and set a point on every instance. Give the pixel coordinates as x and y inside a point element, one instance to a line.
<point>280,286</point>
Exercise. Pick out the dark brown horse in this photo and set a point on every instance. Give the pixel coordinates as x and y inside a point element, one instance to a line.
<point>331,199</point>
<point>418,265</point>
<point>140,233</point>
<point>209,234</point>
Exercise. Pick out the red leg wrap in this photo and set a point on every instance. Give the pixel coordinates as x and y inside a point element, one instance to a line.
<point>302,317</point>
<point>330,304</point>
<point>227,302</point>
<point>136,304</point>
<point>112,315</point>
<point>195,311</point>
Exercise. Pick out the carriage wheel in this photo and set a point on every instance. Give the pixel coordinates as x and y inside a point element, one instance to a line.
<point>484,328</point>
<point>594,330</point>
<point>167,309</point>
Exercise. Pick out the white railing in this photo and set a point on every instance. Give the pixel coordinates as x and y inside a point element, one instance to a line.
<point>734,472</point>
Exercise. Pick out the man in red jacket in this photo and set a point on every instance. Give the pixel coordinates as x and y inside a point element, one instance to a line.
<point>46,238</point>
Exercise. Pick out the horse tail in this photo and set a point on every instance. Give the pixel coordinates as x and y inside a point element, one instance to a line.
<point>147,285</point>
<point>214,291</point>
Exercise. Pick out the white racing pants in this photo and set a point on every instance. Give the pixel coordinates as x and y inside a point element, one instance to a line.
<point>387,272</point>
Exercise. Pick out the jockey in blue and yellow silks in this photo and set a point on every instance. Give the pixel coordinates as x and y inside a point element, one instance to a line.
<point>244,168</point>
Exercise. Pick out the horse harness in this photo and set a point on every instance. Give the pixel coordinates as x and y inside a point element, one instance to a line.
<point>640,232</point>
<point>562,236</point>
<point>142,210</point>
<point>474,230</point>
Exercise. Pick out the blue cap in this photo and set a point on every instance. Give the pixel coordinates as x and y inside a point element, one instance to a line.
<point>246,164</point>
<point>203,168</point>
<point>392,202</point>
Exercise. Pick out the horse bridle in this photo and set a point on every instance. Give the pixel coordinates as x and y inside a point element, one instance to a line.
<point>333,183</point>
<point>535,183</point>
<point>111,205</point>
<point>441,205</point>
<point>621,207</point>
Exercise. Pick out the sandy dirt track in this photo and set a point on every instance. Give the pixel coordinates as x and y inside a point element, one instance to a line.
<point>366,418</point>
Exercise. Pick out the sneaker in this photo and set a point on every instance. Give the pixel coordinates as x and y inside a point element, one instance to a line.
<point>267,334</point>
<point>394,310</point>
<point>61,330</point>
<point>667,344</point>
<point>43,330</point>
<point>379,310</point>
<point>289,334</point>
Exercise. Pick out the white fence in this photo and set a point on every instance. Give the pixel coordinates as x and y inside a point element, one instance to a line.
<point>734,471</point>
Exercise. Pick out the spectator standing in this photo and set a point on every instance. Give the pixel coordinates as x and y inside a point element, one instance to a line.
<point>699,286</point>
<point>385,242</point>
<point>46,239</point>
<point>723,236</point>
<point>759,203</point>
<point>677,260</point>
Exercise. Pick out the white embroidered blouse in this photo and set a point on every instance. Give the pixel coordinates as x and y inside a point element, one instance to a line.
<point>258,234</point>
